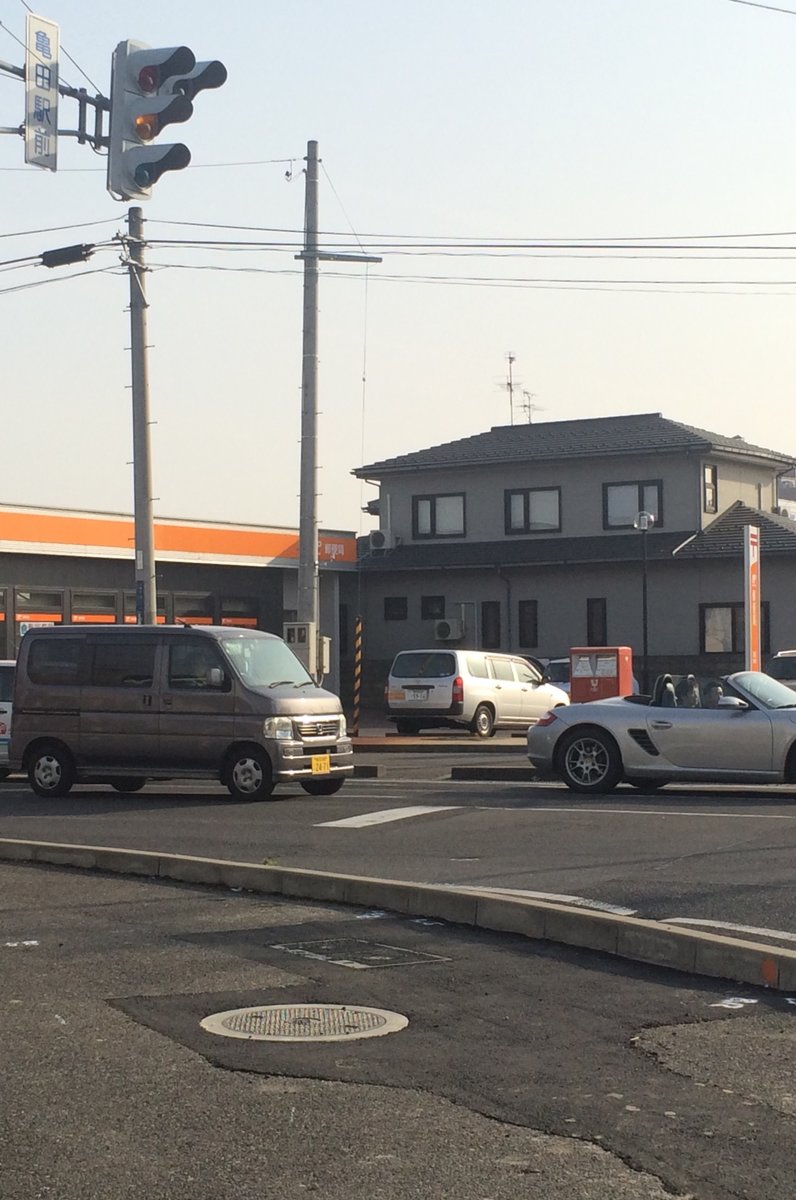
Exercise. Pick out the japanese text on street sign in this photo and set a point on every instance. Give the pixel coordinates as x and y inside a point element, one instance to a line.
<point>41,92</point>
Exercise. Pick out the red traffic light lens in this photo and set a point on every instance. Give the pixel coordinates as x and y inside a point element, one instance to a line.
<point>149,79</point>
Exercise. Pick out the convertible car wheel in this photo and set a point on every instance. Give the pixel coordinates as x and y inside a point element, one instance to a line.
<point>589,761</point>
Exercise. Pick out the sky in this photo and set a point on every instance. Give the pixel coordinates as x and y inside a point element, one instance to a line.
<point>658,136</point>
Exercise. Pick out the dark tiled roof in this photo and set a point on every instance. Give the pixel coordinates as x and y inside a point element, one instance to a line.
<point>518,552</point>
<point>589,438</point>
<point>723,538</point>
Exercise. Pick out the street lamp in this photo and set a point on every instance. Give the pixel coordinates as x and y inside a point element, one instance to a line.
<point>644,522</point>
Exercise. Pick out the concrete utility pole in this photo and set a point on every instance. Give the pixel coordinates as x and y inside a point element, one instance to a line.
<point>308,514</point>
<point>146,604</point>
<point>308,609</point>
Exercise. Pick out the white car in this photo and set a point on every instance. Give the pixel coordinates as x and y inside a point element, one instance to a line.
<point>6,697</point>
<point>477,689</point>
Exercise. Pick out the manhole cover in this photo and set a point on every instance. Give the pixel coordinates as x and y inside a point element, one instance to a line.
<point>304,1022</point>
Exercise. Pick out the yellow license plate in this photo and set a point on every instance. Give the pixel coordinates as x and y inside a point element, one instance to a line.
<point>321,764</point>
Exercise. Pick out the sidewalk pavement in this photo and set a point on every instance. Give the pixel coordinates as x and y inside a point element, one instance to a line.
<point>516,1078</point>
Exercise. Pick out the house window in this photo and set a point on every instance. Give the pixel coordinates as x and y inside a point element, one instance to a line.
<point>533,510</point>
<point>596,621</point>
<point>721,628</point>
<point>395,608</point>
<point>438,516</point>
<point>432,608</point>
<point>490,624</point>
<point>622,502</point>
<point>528,624</point>
<point>710,495</point>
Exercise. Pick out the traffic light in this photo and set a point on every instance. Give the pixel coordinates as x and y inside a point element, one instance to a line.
<point>150,89</point>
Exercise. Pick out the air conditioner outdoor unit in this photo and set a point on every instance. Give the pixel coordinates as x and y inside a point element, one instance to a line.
<point>382,539</point>
<point>448,631</point>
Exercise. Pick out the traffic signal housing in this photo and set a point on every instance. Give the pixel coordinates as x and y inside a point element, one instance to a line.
<point>151,88</point>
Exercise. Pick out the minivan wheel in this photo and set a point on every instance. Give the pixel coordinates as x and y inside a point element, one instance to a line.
<point>322,787</point>
<point>483,722</point>
<point>127,785</point>
<point>249,775</point>
<point>51,771</point>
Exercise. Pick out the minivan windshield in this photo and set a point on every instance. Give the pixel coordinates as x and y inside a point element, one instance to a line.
<point>423,664</point>
<point>265,662</point>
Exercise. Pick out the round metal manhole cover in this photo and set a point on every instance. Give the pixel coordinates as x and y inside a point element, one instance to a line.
<point>304,1022</point>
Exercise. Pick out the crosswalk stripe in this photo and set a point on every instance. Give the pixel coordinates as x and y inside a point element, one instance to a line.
<point>385,815</point>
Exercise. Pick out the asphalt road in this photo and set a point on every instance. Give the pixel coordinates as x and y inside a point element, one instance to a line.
<point>526,1071</point>
<point>718,858</point>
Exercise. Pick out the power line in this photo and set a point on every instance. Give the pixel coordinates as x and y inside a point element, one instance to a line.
<point>21,287</point>
<point>58,228</point>
<point>771,7</point>
<point>436,239</point>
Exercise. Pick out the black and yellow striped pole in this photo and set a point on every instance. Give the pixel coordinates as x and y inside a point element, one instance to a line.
<point>357,675</point>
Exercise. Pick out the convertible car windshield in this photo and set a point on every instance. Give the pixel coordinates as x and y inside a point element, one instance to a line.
<point>768,692</point>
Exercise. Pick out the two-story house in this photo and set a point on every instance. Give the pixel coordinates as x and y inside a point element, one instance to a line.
<point>524,538</point>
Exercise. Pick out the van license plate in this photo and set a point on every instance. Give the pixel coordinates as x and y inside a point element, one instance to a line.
<point>321,764</point>
<point>417,693</point>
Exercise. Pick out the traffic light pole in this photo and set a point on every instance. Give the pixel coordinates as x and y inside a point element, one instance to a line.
<point>145,583</point>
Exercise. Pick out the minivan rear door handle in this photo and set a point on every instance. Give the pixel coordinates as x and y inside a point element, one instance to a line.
<point>147,701</point>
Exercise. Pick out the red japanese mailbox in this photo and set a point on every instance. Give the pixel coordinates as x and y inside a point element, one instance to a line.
<point>597,672</point>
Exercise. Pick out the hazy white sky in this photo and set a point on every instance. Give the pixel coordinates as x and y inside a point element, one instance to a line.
<point>437,120</point>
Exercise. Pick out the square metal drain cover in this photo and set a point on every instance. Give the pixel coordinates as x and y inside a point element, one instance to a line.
<point>358,953</point>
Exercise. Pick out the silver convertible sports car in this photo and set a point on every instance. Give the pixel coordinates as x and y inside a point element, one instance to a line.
<point>737,729</point>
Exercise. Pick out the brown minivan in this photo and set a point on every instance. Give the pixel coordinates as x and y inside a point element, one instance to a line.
<point>122,705</point>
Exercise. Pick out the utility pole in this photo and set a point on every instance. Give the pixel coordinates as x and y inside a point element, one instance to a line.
<point>145,581</point>
<point>510,385</point>
<point>308,513</point>
<point>308,608</point>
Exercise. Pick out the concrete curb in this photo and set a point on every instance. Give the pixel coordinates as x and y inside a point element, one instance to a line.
<point>626,937</point>
<point>412,745</point>
<point>509,774</point>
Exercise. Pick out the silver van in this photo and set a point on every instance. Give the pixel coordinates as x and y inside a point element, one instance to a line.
<point>6,708</point>
<point>477,689</point>
<point>122,705</point>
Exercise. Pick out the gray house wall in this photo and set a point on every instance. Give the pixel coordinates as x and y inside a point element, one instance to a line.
<point>581,483</point>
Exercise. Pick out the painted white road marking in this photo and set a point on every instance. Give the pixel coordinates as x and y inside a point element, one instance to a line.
<point>554,897</point>
<point>639,812</point>
<point>772,933</point>
<point>386,814</point>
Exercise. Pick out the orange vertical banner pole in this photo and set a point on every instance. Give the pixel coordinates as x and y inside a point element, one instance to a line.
<point>751,562</point>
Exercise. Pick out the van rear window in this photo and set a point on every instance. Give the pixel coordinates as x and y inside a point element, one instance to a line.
<point>418,664</point>
<point>6,683</point>
<point>54,660</point>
